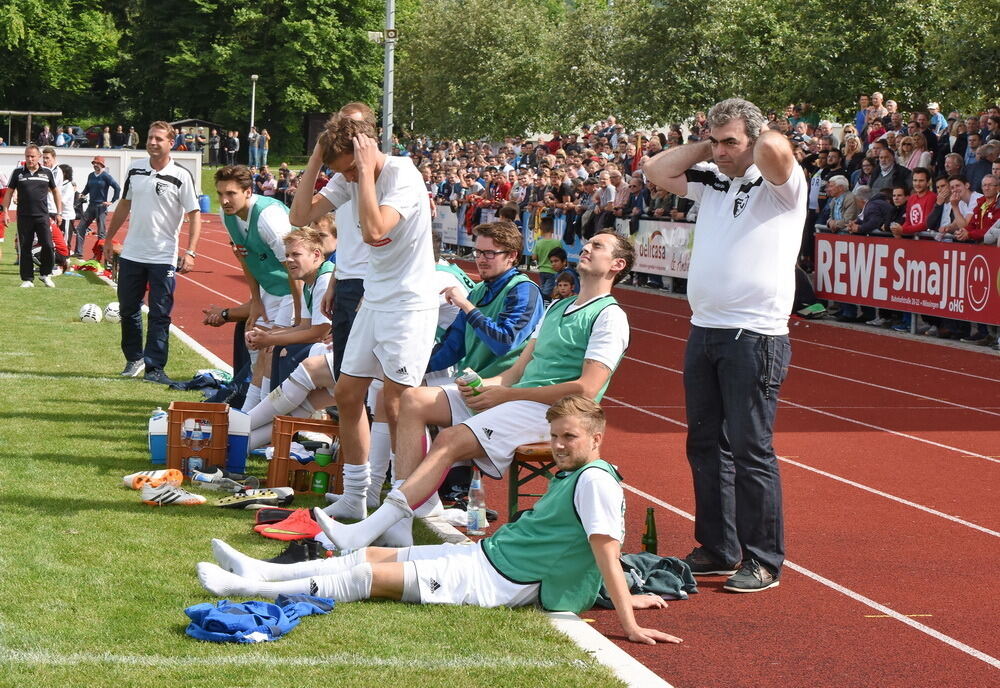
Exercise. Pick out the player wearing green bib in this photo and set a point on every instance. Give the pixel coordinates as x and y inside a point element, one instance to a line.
<point>257,225</point>
<point>575,350</point>
<point>555,555</point>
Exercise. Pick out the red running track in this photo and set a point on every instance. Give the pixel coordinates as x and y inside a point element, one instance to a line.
<point>890,458</point>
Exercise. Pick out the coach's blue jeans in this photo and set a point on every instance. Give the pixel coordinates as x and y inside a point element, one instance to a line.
<point>132,280</point>
<point>731,382</point>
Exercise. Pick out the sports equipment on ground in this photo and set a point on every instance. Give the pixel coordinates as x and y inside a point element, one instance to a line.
<point>91,313</point>
<point>167,476</point>
<point>166,495</point>
<point>112,312</point>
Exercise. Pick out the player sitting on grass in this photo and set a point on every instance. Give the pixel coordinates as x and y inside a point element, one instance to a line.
<point>575,349</point>
<point>555,555</point>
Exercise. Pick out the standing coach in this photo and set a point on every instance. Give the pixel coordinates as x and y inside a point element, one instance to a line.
<point>741,285</point>
<point>158,194</point>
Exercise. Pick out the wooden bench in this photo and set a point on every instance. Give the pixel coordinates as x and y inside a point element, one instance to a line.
<point>281,463</point>
<point>530,461</point>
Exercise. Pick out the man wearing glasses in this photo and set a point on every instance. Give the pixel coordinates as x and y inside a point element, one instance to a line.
<point>498,315</point>
<point>96,191</point>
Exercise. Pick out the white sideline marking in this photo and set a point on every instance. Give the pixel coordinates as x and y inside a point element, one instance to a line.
<point>200,349</point>
<point>898,433</point>
<point>856,596</point>
<point>860,486</point>
<point>847,379</point>
<point>624,665</point>
<point>42,658</point>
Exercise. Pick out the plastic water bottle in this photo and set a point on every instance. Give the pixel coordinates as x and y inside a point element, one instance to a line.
<point>476,509</point>
<point>215,481</point>
<point>197,437</point>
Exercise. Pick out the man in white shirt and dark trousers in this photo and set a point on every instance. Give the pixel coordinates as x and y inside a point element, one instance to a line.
<point>741,286</point>
<point>158,194</point>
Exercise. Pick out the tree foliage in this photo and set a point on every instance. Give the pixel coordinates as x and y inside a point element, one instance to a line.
<point>487,67</point>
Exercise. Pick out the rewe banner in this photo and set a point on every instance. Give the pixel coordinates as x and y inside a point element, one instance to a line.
<point>949,280</point>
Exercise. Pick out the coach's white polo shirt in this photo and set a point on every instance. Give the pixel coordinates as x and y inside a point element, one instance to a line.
<point>160,199</point>
<point>746,242</point>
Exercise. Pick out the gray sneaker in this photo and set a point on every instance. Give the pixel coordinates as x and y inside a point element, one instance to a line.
<point>752,577</point>
<point>703,563</point>
<point>134,369</point>
<point>158,376</point>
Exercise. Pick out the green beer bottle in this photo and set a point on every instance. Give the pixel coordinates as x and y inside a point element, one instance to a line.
<point>649,537</point>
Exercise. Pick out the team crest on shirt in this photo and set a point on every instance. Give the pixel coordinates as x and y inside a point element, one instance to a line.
<point>160,188</point>
<point>740,203</point>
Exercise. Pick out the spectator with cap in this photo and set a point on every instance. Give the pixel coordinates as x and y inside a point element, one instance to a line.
<point>96,193</point>
<point>938,123</point>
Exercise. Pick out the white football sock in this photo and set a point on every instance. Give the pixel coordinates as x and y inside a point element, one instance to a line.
<point>349,586</point>
<point>253,398</point>
<point>284,399</point>
<point>352,504</point>
<point>261,437</point>
<point>432,507</point>
<point>357,535</point>
<point>221,583</point>
<point>379,459</point>
<point>234,561</point>
<point>265,386</point>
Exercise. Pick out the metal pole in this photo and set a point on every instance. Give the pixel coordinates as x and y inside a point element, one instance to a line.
<point>390,48</point>
<point>253,97</point>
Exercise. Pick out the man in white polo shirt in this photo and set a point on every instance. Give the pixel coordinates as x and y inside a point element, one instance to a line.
<point>741,285</point>
<point>158,194</point>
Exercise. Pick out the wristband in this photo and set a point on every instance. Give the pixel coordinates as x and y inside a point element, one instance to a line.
<point>191,253</point>
<point>225,314</point>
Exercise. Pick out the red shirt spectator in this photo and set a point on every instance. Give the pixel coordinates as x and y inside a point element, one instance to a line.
<point>985,214</point>
<point>918,209</point>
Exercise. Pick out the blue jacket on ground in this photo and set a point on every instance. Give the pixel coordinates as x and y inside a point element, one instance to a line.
<point>254,621</point>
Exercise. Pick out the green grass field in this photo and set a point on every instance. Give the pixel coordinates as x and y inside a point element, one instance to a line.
<point>94,583</point>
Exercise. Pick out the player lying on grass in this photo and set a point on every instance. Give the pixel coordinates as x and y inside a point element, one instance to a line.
<point>556,555</point>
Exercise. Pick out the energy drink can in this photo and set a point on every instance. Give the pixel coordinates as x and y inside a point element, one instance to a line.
<point>471,378</point>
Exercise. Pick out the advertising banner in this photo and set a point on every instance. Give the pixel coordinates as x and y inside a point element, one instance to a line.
<point>446,223</point>
<point>949,280</point>
<point>663,248</point>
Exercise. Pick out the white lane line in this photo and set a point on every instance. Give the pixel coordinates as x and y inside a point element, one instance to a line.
<point>847,592</point>
<point>897,433</point>
<point>936,369</point>
<point>845,481</point>
<point>217,293</point>
<point>812,409</point>
<point>839,349</point>
<point>978,409</point>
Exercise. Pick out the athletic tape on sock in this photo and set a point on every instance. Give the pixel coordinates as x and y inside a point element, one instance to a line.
<point>411,588</point>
